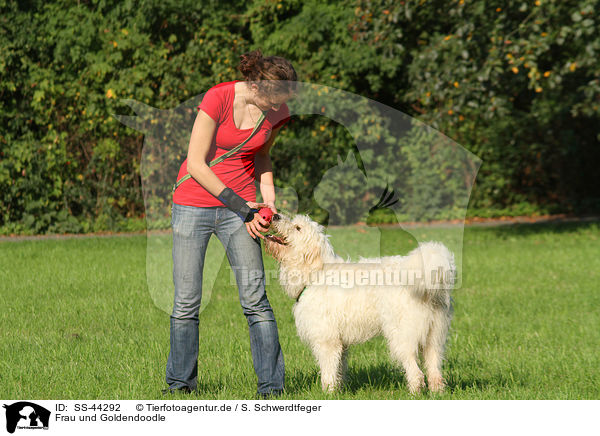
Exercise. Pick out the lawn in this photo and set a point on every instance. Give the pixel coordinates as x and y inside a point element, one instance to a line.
<point>79,321</point>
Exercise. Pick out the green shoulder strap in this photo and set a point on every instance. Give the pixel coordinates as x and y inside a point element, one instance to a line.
<point>227,154</point>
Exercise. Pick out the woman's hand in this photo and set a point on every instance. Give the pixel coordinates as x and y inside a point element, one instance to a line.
<point>258,225</point>
<point>271,205</point>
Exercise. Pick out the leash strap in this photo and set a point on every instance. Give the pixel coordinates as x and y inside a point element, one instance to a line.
<point>300,294</point>
<point>227,154</point>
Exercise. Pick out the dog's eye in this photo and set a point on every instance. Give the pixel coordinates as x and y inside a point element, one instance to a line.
<point>298,228</point>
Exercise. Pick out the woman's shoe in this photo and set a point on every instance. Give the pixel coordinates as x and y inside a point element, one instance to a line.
<point>183,390</point>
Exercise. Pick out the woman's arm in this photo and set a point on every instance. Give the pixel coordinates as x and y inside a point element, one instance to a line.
<point>264,171</point>
<point>200,141</point>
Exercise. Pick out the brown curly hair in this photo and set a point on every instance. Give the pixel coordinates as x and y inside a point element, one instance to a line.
<point>266,71</point>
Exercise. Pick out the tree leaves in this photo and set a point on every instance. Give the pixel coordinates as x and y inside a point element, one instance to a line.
<point>517,86</point>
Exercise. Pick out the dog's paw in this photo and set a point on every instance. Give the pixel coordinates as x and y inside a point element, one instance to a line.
<point>436,384</point>
<point>331,386</point>
<point>415,385</point>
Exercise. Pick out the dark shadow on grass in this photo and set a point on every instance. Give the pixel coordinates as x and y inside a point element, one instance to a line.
<point>209,391</point>
<point>529,229</point>
<point>496,381</point>
<point>502,379</point>
<point>379,377</point>
<point>464,384</point>
<point>383,376</point>
<point>388,377</point>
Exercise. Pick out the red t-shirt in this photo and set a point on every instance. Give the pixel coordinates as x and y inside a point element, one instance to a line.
<point>237,171</point>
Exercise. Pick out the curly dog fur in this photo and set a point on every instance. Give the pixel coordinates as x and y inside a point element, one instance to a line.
<point>341,303</point>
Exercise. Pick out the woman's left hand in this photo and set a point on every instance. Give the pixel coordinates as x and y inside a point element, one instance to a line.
<point>258,224</point>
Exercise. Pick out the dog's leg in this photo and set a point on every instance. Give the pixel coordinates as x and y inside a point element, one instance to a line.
<point>329,356</point>
<point>404,349</point>
<point>434,354</point>
<point>344,364</point>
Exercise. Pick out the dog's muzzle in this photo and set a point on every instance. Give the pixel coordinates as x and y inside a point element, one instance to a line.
<point>275,236</point>
<point>277,239</point>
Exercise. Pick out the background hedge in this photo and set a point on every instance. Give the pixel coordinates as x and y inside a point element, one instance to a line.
<point>516,83</point>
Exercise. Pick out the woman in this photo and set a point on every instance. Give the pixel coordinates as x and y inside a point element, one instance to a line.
<point>220,199</point>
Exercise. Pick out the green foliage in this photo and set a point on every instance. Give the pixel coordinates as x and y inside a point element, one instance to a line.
<point>518,85</point>
<point>67,164</point>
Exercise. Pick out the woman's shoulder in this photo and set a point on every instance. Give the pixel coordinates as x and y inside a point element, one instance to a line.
<point>224,86</point>
<point>222,90</point>
<point>218,97</point>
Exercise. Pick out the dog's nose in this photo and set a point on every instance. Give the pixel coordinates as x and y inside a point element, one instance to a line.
<point>276,217</point>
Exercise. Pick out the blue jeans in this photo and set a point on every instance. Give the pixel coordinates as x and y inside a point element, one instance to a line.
<point>192,229</point>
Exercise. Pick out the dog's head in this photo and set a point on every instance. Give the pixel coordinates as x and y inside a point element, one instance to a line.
<point>298,243</point>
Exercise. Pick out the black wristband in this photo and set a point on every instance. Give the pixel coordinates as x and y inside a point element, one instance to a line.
<point>236,204</point>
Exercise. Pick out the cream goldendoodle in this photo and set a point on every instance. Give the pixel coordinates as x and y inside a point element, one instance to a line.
<point>339,303</point>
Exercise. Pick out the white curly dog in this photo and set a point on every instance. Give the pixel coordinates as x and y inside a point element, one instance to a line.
<point>339,303</point>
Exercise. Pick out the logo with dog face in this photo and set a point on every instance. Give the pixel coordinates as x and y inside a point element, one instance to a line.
<point>398,171</point>
<point>26,415</point>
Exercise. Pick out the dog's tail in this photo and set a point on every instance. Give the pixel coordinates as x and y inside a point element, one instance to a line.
<point>438,271</point>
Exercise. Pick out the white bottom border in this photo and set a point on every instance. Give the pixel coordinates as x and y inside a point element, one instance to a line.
<point>291,417</point>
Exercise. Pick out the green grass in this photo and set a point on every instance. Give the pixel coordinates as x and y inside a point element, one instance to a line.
<point>78,322</point>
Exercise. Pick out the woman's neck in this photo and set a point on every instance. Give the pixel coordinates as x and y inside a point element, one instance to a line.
<point>248,94</point>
